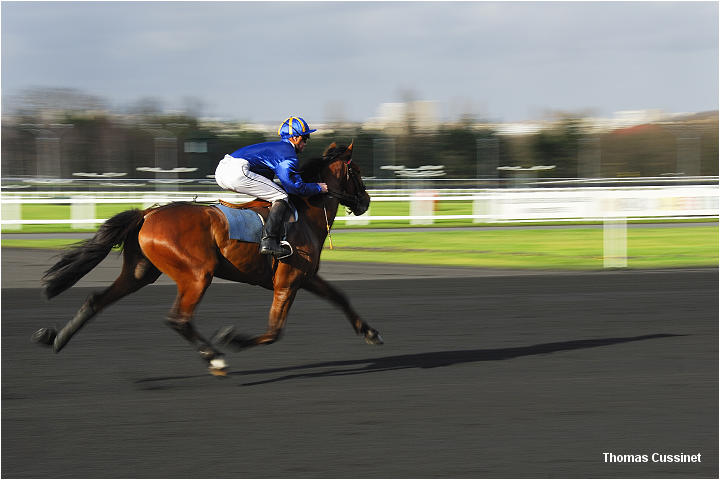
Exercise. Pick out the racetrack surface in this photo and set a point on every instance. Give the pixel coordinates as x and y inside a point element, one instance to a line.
<point>482,375</point>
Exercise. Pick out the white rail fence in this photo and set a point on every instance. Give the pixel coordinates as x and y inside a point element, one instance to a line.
<point>613,206</point>
<point>492,205</point>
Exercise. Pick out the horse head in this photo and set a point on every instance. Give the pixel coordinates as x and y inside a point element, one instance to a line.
<point>343,178</point>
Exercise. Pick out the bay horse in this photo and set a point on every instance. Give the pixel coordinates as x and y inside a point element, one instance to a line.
<point>189,242</point>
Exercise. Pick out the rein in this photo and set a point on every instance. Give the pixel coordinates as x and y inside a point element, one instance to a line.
<point>350,201</point>
<point>344,197</point>
<point>327,225</point>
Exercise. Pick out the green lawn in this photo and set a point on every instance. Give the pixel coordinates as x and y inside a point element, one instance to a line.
<point>570,249</point>
<point>37,211</point>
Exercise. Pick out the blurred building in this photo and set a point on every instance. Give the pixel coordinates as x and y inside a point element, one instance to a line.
<point>402,117</point>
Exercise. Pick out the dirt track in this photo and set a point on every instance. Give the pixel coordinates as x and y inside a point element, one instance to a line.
<point>488,374</point>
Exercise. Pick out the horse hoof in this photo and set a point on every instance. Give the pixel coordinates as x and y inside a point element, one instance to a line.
<point>44,336</point>
<point>223,336</point>
<point>218,367</point>
<point>372,337</point>
<point>218,372</point>
<point>237,341</point>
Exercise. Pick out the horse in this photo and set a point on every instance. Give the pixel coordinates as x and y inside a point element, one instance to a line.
<point>189,242</point>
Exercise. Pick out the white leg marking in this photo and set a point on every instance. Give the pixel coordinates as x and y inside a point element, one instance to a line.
<point>218,363</point>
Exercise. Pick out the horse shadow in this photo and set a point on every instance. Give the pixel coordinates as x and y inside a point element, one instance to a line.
<point>420,360</point>
<point>433,359</point>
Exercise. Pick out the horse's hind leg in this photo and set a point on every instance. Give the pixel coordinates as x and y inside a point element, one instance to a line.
<point>190,292</point>
<point>137,272</point>
<point>323,289</point>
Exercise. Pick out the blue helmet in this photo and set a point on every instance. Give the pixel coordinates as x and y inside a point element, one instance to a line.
<point>294,127</point>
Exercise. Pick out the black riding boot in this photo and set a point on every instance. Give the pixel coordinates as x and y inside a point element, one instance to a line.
<point>273,230</point>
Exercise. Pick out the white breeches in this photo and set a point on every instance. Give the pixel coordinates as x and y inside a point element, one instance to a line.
<point>234,174</point>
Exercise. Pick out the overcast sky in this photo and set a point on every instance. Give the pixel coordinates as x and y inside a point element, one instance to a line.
<point>263,61</point>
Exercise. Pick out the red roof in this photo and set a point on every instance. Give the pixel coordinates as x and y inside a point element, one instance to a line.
<point>645,128</point>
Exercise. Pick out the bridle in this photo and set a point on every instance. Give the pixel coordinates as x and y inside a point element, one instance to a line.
<point>350,201</point>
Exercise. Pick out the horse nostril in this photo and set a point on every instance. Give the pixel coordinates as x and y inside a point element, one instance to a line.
<point>361,208</point>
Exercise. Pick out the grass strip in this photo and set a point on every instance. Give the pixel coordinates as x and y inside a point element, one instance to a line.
<point>570,249</point>
<point>564,249</point>
<point>449,207</point>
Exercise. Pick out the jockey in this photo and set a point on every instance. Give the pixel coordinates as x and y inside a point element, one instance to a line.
<point>250,170</point>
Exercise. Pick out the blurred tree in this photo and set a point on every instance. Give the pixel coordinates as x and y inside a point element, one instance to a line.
<point>18,152</point>
<point>47,103</point>
<point>91,139</point>
<point>193,106</point>
<point>709,145</point>
<point>455,147</point>
<point>518,151</point>
<point>558,146</point>
<point>148,106</point>
<point>94,144</point>
<point>641,151</point>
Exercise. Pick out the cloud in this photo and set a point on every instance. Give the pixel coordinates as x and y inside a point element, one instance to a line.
<point>255,59</point>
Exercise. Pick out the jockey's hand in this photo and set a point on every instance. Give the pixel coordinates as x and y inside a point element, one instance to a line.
<point>323,187</point>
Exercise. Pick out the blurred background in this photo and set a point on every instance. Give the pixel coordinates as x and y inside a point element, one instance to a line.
<point>135,96</point>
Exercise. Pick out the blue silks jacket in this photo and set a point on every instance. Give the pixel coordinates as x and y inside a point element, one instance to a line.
<point>277,158</point>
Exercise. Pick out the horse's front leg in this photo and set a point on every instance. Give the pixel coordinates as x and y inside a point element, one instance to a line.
<point>282,301</point>
<point>283,298</point>
<point>322,288</point>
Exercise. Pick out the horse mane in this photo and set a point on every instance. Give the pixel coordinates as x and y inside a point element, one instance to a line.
<point>310,169</point>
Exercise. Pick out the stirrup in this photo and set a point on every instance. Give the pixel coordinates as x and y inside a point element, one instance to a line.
<point>287,244</point>
<point>275,253</point>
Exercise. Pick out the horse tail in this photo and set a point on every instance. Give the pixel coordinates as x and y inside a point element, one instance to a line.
<point>86,255</point>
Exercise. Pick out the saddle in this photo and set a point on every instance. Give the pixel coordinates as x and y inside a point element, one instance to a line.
<point>246,220</point>
<point>261,207</point>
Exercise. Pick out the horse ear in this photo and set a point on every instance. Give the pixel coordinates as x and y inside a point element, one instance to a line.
<point>330,147</point>
<point>348,151</point>
<point>347,154</point>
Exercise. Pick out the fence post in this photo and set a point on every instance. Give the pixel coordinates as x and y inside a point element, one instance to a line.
<point>615,242</point>
<point>422,207</point>
<point>148,201</point>
<point>80,210</point>
<point>483,205</point>
<point>361,220</point>
<point>11,211</point>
